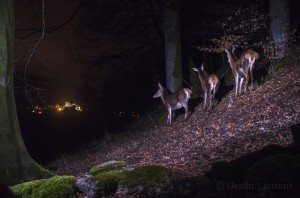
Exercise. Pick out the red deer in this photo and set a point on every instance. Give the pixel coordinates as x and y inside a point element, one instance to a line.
<point>209,84</point>
<point>241,68</point>
<point>174,101</point>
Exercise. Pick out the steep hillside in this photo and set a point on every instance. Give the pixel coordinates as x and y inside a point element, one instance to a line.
<point>235,127</point>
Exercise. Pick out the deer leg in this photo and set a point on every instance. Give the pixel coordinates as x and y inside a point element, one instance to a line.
<point>186,108</point>
<point>246,83</point>
<point>241,85</point>
<point>251,76</point>
<point>215,90</point>
<point>169,121</point>
<point>236,84</point>
<point>213,95</point>
<point>210,99</point>
<point>205,97</point>
<point>251,71</point>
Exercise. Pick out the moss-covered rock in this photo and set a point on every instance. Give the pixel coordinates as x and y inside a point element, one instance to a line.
<point>146,176</point>
<point>108,177</point>
<point>102,179</point>
<point>108,181</point>
<point>107,166</point>
<point>57,186</point>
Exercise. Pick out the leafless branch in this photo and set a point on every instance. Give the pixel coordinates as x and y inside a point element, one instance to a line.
<point>27,85</point>
<point>31,31</point>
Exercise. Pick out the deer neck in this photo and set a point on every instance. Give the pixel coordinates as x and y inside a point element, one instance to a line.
<point>164,97</point>
<point>202,76</point>
<point>231,60</point>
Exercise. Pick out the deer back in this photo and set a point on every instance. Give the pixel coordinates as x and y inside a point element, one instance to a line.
<point>251,54</point>
<point>180,97</point>
<point>212,80</point>
<point>207,81</point>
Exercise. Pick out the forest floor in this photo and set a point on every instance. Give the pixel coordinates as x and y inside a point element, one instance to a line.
<point>234,128</point>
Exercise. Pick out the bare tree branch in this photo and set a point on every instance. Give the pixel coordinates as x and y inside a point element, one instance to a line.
<point>27,85</point>
<point>49,29</point>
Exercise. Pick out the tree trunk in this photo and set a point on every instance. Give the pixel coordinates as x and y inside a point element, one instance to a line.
<point>15,163</point>
<point>171,29</point>
<point>280,25</point>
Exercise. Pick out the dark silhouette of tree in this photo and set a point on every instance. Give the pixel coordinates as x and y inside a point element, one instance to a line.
<point>280,26</point>
<point>171,29</point>
<point>121,50</point>
<point>16,164</point>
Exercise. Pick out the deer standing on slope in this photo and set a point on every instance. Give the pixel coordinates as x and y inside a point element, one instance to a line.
<point>209,84</point>
<point>241,68</point>
<point>174,101</point>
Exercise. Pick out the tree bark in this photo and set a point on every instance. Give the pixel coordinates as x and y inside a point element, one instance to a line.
<point>15,163</point>
<point>280,25</point>
<point>171,29</point>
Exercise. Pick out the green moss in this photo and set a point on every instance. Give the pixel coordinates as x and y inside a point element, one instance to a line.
<point>111,174</point>
<point>57,186</point>
<point>108,181</point>
<point>17,189</point>
<point>290,58</point>
<point>109,166</point>
<point>39,170</point>
<point>268,77</point>
<point>14,176</point>
<point>146,176</point>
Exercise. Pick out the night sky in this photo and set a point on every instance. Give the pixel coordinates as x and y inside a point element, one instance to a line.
<point>52,60</point>
<point>108,59</point>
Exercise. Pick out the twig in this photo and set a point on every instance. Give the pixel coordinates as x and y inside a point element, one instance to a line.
<point>31,54</point>
<point>187,83</point>
<point>267,99</point>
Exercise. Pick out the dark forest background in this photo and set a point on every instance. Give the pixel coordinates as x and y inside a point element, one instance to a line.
<point>120,45</point>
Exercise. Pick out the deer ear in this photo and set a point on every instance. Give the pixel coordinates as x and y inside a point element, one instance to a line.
<point>195,69</point>
<point>251,60</point>
<point>202,66</point>
<point>159,85</point>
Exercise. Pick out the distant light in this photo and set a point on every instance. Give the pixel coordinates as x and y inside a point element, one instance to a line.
<point>68,104</point>
<point>78,108</point>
